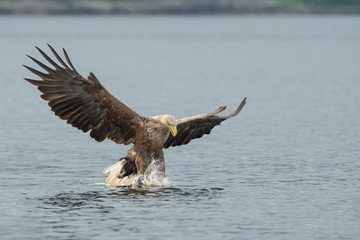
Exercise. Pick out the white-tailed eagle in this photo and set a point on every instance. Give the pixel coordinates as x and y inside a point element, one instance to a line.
<point>88,106</point>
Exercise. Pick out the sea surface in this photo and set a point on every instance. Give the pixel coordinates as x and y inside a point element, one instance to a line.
<point>287,167</point>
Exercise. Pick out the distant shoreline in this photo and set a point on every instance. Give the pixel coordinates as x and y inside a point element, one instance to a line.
<point>160,7</point>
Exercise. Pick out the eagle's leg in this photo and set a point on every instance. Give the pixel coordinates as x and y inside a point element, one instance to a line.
<point>128,168</point>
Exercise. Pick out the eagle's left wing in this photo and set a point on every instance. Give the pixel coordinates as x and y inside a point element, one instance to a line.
<point>196,126</point>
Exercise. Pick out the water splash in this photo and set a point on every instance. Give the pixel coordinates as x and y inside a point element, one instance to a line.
<point>152,177</point>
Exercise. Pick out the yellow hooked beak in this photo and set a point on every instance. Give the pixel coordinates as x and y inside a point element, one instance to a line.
<point>173,130</point>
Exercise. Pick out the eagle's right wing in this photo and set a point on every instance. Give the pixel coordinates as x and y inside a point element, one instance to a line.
<point>85,103</point>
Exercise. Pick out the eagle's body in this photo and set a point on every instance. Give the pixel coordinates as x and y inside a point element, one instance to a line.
<point>147,148</point>
<point>88,106</point>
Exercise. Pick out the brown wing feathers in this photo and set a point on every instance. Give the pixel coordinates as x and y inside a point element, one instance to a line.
<point>194,130</point>
<point>195,127</point>
<point>84,103</point>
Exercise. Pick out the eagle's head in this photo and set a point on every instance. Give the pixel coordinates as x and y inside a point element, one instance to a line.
<point>170,122</point>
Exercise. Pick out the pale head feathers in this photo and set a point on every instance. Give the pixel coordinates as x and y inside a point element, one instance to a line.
<point>166,120</point>
<point>169,120</point>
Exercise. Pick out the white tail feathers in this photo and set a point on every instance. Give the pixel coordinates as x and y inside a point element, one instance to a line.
<point>117,166</point>
<point>114,170</point>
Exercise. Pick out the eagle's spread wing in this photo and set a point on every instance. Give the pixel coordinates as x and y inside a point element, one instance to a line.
<point>85,103</point>
<point>196,126</point>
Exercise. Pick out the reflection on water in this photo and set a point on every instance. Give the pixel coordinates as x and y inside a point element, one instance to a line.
<point>70,201</point>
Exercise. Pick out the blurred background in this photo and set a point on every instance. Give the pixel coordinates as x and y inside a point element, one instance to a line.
<point>177,6</point>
